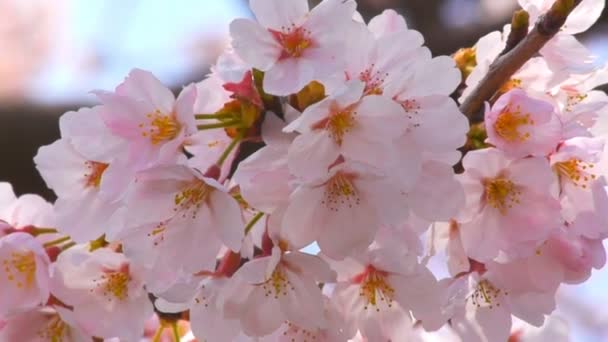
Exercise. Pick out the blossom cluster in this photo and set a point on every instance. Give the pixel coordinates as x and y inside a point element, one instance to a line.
<point>199,216</point>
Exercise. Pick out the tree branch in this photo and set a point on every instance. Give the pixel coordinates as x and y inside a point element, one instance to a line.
<point>506,65</point>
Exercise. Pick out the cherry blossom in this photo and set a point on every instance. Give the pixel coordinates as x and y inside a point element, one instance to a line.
<point>102,284</point>
<point>24,275</point>
<point>521,126</point>
<point>86,195</point>
<point>145,113</point>
<point>352,195</point>
<point>178,221</point>
<point>483,304</point>
<point>288,41</point>
<point>377,292</point>
<point>509,204</point>
<point>343,125</point>
<point>42,325</point>
<point>268,290</point>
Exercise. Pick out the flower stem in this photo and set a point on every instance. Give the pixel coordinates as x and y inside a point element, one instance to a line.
<point>56,241</point>
<point>159,333</point>
<point>253,221</point>
<point>214,116</point>
<point>235,141</point>
<point>225,124</point>
<point>175,332</point>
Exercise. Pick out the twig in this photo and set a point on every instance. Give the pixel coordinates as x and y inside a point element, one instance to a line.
<point>506,65</point>
<point>519,29</point>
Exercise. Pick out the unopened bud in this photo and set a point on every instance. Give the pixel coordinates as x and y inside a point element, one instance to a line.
<point>466,61</point>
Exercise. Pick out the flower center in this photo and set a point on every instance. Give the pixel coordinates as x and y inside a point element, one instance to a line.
<point>20,268</point>
<point>114,284</point>
<point>339,191</point>
<point>486,295</point>
<point>277,285</point>
<point>192,196</point>
<point>501,194</point>
<point>375,289</point>
<point>508,125</point>
<point>94,172</point>
<point>374,81</point>
<point>54,331</point>
<point>160,127</point>
<point>293,40</point>
<point>340,123</point>
<point>576,171</point>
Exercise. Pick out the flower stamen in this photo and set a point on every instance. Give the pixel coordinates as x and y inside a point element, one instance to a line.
<point>160,127</point>
<point>340,190</point>
<point>501,194</point>
<point>375,289</point>
<point>508,125</point>
<point>576,171</point>
<point>20,268</point>
<point>294,40</point>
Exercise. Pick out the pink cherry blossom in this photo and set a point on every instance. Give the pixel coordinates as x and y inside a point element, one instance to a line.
<point>102,284</point>
<point>207,317</point>
<point>522,126</point>
<point>290,44</point>
<point>345,125</point>
<point>176,221</point>
<point>352,195</point>
<point>482,306</point>
<point>81,207</point>
<point>582,186</point>
<point>43,325</point>
<point>377,292</point>
<point>509,204</point>
<point>280,287</point>
<point>24,276</point>
<point>337,329</point>
<point>145,113</point>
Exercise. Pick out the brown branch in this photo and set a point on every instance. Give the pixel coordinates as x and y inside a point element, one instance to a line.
<point>506,65</point>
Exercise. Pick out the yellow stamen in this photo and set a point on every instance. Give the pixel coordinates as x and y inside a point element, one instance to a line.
<point>576,171</point>
<point>375,289</point>
<point>160,127</point>
<point>114,284</point>
<point>277,285</point>
<point>340,190</point>
<point>486,294</point>
<point>501,194</point>
<point>192,195</point>
<point>508,125</point>
<point>339,124</point>
<point>55,331</point>
<point>20,269</point>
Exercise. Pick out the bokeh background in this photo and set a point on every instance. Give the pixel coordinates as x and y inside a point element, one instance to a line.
<point>53,52</point>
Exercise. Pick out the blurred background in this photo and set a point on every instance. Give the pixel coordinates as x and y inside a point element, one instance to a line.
<point>52,53</point>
